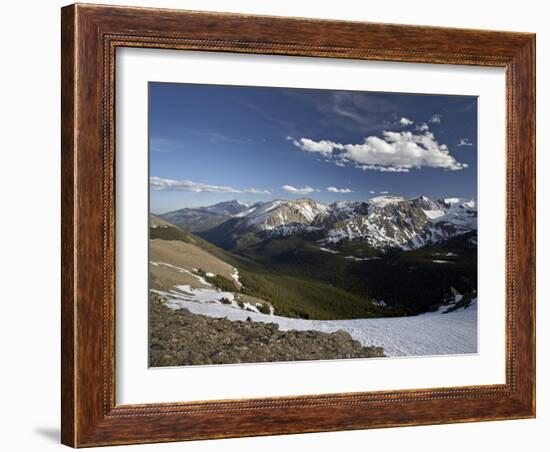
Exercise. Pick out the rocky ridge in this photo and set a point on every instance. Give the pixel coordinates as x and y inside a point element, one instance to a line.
<point>179,338</point>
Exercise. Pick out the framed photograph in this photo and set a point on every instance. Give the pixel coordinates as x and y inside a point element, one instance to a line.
<point>281,225</point>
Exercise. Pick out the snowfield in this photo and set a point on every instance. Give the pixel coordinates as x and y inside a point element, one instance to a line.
<point>426,334</point>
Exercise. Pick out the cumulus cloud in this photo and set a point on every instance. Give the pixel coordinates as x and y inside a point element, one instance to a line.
<point>298,191</point>
<point>436,119</point>
<point>405,121</point>
<point>384,192</point>
<point>162,184</point>
<point>372,192</point>
<point>339,190</point>
<point>465,142</point>
<point>392,152</point>
<point>322,147</point>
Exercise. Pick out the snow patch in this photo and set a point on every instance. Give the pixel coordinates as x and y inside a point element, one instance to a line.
<point>250,307</point>
<point>186,293</point>
<point>434,214</point>
<point>183,270</point>
<point>235,277</point>
<point>359,259</point>
<point>327,250</point>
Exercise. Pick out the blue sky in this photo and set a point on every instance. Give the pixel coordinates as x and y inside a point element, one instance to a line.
<point>210,143</point>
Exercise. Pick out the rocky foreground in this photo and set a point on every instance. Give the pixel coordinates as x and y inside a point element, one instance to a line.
<point>178,338</point>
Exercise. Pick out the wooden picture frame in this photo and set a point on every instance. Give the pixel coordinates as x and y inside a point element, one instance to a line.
<point>90,36</point>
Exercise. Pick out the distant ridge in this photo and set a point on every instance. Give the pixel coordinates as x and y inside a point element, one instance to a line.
<point>198,219</point>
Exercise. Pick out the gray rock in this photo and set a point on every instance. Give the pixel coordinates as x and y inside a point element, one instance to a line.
<point>179,338</point>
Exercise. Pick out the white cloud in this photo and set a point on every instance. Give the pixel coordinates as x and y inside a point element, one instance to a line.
<point>405,121</point>
<point>372,192</point>
<point>298,191</point>
<point>323,147</point>
<point>162,184</point>
<point>256,191</point>
<point>384,192</point>
<point>465,142</point>
<point>393,152</point>
<point>436,119</point>
<point>339,190</point>
<point>423,127</point>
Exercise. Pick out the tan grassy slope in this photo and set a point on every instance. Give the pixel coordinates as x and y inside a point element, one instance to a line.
<point>184,255</point>
<point>186,261</point>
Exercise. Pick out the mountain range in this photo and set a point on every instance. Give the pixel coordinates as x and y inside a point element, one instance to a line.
<point>381,223</point>
<point>385,256</point>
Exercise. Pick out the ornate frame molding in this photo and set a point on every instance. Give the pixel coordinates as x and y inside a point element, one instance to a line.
<point>90,37</point>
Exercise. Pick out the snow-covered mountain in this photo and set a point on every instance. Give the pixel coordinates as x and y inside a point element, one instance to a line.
<point>280,213</point>
<point>382,222</point>
<point>396,222</point>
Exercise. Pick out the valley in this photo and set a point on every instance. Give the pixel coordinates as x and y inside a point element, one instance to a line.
<point>385,257</point>
<point>384,271</point>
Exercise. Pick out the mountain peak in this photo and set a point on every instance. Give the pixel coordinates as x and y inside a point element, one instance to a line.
<point>387,199</point>
<point>421,198</point>
<point>425,203</point>
<point>235,202</point>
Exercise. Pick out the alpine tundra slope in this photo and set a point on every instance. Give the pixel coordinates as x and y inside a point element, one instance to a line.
<point>391,272</point>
